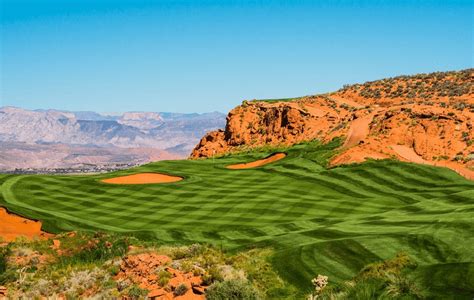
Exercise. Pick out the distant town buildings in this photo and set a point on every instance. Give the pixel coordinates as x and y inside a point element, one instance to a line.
<point>85,169</point>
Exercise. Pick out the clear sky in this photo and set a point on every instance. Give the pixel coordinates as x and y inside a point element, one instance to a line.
<point>197,56</point>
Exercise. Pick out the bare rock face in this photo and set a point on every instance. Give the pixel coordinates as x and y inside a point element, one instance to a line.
<point>256,124</point>
<point>261,123</point>
<point>211,144</point>
<point>430,114</point>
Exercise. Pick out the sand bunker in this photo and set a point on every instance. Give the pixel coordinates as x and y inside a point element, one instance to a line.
<point>13,226</point>
<point>258,163</point>
<point>409,154</point>
<point>143,178</point>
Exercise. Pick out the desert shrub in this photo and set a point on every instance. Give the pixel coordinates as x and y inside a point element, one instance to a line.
<point>399,286</point>
<point>114,270</point>
<point>460,105</point>
<point>366,289</point>
<point>98,248</point>
<point>135,292</point>
<point>176,252</point>
<point>389,266</point>
<point>163,277</point>
<point>80,280</point>
<point>4,253</point>
<point>232,290</point>
<point>43,287</point>
<point>122,285</point>
<point>180,290</point>
<point>260,272</point>
<point>213,274</point>
<point>381,280</point>
<point>6,274</point>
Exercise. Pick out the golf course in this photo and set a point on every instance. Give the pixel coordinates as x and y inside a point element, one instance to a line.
<point>319,220</point>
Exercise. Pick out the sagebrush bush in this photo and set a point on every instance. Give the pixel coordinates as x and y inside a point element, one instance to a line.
<point>4,253</point>
<point>135,292</point>
<point>180,290</point>
<point>163,277</point>
<point>232,290</point>
<point>6,274</point>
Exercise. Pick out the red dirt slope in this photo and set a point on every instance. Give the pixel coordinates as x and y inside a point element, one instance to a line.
<point>13,226</point>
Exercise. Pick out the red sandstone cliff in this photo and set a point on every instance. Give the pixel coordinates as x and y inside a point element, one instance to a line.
<point>429,115</point>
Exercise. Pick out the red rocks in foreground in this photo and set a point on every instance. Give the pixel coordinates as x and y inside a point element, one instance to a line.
<point>145,269</point>
<point>3,292</point>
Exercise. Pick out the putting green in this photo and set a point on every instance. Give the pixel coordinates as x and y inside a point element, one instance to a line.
<point>320,221</point>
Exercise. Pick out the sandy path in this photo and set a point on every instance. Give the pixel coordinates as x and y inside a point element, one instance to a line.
<point>258,163</point>
<point>143,178</point>
<point>358,131</point>
<point>13,226</point>
<point>409,154</point>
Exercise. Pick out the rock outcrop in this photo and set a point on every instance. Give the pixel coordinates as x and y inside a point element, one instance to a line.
<point>433,114</point>
<point>142,269</point>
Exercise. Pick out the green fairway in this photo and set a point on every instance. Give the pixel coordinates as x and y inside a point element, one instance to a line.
<point>320,221</point>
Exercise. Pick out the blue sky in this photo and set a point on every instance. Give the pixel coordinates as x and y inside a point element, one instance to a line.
<point>197,56</point>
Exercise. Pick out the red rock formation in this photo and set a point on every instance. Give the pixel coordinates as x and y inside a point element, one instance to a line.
<point>431,113</point>
<point>141,269</point>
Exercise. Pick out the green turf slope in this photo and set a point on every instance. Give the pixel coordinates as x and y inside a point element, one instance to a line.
<point>320,221</point>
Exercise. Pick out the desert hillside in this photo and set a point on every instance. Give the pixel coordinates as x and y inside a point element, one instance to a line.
<point>424,118</point>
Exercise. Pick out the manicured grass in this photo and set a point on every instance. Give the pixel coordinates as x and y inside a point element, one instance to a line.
<point>320,221</point>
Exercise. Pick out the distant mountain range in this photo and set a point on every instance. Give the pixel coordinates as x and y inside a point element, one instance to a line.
<point>151,135</point>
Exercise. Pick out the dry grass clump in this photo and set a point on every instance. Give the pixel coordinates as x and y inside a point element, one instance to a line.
<point>383,280</point>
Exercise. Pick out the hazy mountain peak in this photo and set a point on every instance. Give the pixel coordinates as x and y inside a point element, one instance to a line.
<point>141,120</point>
<point>177,132</point>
